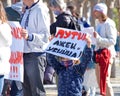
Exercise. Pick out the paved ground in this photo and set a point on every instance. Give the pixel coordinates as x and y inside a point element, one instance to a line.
<point>51,90</point>
<point>116,81</point>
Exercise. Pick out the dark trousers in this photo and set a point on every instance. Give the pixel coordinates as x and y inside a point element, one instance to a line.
<point>16,88</point>
<point>34,67</point>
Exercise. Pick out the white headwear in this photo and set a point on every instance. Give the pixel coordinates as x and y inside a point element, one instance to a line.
<point>101,7</point>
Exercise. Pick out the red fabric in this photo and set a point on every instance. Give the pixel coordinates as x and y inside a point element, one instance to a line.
<point>103,58</point>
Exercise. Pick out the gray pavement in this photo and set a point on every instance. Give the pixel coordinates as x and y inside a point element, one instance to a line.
<point>51,90</point>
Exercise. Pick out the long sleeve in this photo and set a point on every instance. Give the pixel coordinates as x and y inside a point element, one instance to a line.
<point>5,52</point>
<point>54,63</point>
<point>86,58</point>
<point>42,23</point>
<point>36,21</point>
<point>5,35</point>
<point>107,35</point>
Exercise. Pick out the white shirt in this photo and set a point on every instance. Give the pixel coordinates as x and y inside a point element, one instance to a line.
<point>107,36</point>
<point>5,43</point>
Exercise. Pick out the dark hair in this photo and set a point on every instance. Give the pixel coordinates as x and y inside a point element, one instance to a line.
<point>74,61</point>
<point>73,10</point>
<point>104,17</point>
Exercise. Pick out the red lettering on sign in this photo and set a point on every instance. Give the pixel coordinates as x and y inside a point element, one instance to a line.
<point>14,71</point>
<point>61,33</point>
<point>16,32</point>
<point>16,58</point>
<point>67,34</point>
<point>70,34</point>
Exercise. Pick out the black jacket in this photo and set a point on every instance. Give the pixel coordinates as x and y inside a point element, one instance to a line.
<point>63,20</point>
<point>12,15</point>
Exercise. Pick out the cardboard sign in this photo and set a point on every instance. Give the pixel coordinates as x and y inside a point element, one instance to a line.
<point>67,43</point>
<point>16,59</point>
<point>90,31</point>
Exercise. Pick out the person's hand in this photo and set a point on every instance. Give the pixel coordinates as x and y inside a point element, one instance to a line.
<point>95,34</point>
<point>88,40</point>
<point>24,33</point>
<point>51,37</point>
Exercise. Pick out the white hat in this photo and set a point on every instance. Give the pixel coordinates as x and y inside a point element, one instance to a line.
<point>101,7</point>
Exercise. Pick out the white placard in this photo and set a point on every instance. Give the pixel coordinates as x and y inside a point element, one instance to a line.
<point>16,59</point>
<point>67,43</point>
<point>90,31</point>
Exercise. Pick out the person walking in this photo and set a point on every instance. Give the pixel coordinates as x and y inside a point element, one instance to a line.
<point>105,35</point>
<point>35,23</point>
<point>5,43</point>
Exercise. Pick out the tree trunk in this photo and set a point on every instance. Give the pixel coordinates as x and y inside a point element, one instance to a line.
<point>110,4</point>
<point>52,17</point>
<point>118,9</point>
<point>92,3</point>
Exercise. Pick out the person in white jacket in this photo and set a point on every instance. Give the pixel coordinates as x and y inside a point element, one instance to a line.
<point>105,41</point>
<point>35,23</point>
<point>5,43</point>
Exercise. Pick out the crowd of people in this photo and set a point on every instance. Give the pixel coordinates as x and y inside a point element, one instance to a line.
<point>72,76</point>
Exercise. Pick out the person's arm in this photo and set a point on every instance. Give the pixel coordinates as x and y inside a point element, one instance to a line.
<point>86,58</point>
<point>42,23</point>
<point>110,39</point>
<point>5,34</point>
<point>40,27</point>
<point>54,62</point>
